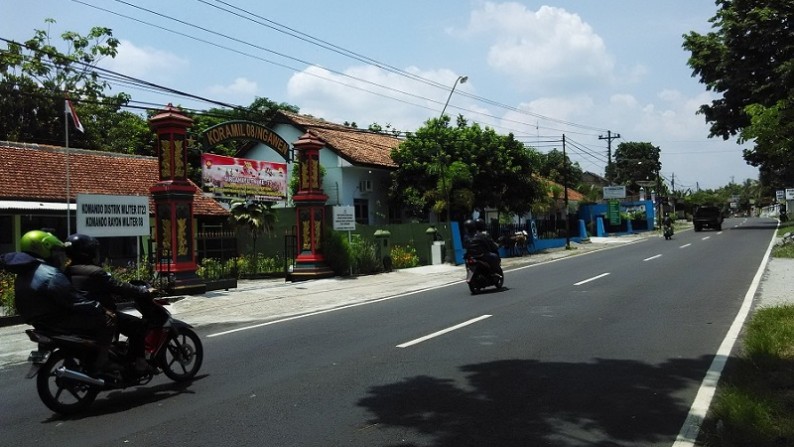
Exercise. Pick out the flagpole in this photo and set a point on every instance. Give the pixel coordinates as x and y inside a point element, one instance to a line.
<point>68,200</point>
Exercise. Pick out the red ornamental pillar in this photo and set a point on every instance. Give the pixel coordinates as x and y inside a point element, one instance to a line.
<point>310,211</point>
<point>173,203</point>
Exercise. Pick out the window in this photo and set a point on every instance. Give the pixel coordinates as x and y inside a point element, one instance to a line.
<point>365,186</point>
<point>361,207</point>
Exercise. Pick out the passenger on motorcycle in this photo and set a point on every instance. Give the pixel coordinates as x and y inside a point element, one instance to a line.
<point>667,222</point>
<point>478,243</point>
<point>45,298</point>
<point>88,277</point>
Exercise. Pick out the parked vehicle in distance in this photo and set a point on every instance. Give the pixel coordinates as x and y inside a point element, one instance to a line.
<point>707,217</point>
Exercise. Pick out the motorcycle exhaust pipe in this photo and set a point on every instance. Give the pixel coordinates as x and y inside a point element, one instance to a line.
<point>64,373</point>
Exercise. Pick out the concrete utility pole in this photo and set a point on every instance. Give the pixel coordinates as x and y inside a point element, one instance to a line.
<point>609,139</point>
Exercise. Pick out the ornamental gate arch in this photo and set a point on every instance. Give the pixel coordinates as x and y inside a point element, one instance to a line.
<point>309,200</point>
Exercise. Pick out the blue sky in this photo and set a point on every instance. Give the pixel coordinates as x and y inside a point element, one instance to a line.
<point>536,69</point>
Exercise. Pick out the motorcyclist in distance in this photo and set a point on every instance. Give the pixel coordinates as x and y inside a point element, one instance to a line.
<point>480,244</point>
<point>45,298</point>
<point>667,222</point>
<point>87,276</point>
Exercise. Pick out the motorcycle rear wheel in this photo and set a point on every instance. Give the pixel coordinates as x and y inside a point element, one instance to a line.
<point>61,395</point>
<point>182,355</point>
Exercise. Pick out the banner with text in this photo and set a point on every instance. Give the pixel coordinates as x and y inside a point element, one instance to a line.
<point>240,178</point>
<point>111,216</point>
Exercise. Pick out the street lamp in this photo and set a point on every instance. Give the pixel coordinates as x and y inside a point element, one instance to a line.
<point>461,80</point>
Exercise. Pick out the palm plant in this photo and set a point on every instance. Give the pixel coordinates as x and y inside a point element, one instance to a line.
<point>259,217</point>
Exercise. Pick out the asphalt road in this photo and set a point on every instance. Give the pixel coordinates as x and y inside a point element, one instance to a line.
<point>605,349</point>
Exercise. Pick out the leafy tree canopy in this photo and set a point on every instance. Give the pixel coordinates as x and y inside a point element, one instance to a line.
<point>559,169</point>
<point>748,59</point>
<point>633,162</point>
<point>464,167</point>
<point>35,77</point>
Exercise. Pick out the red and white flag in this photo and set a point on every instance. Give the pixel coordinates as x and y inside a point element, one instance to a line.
<point>76,119</point>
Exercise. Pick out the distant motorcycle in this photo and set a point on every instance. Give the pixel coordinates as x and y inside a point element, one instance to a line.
<point>60,364</point>
<point>479,275</point>
<point>668,232</point>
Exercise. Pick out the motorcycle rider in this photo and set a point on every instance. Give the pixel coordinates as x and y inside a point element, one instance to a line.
<point>45,298</point>
<point>88,277</point>
<point>478,243</point>
<point>667,223</point>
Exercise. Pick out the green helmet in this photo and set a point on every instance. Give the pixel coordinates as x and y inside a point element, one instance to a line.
<point>40,243</point>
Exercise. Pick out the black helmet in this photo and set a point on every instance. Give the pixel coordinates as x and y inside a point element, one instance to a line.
<point>468,225</point>
<point>480,225</point>
<point>82,248</point>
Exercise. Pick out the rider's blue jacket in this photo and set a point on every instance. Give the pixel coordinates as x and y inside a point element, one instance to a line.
<point>41,290</point>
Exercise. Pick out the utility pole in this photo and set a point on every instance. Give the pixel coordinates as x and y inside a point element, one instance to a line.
<point>609,139</point>
<point>565,186</point>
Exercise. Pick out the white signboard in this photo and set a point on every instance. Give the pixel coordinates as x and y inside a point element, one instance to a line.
<point>111,216</point>
<point>780,195</point>
<point>614,192</point>
<point>344,218</point>
<point>789,193</point>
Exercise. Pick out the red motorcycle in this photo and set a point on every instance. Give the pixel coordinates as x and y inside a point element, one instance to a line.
<point>65,383</point>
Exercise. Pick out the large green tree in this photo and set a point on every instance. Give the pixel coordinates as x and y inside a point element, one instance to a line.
<point>36,76</point>
<point>463,167</point>
<point>748,59</point>
<point>633,162</point>
<point>558,168</point>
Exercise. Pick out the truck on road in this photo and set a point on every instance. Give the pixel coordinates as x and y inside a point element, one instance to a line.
<point>707,217</point>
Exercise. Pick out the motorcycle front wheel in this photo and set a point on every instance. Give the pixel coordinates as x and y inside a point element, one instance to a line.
<point>182,355</point>
<point>62,395</point>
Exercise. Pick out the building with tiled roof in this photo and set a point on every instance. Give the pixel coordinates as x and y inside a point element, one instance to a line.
<point>357,164</point>
<point>33,186</point>
<point>358,147</point>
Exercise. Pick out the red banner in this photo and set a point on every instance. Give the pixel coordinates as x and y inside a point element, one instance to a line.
<point>230,178</point>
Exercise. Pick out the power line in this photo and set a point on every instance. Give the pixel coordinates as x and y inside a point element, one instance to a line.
<point>341,50</point>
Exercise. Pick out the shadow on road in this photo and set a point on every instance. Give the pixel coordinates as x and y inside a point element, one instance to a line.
<point>515,403</point>
<point>117,401</point>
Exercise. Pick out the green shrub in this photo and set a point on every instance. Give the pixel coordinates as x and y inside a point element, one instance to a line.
<point>7,293</point>
<point>336,252</point>
<point>143,271</point>
<point>365,256</point>
<point>404,257</point>
<point>210,269</point>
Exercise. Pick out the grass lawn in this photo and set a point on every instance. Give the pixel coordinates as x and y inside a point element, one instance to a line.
<point>754,403</point>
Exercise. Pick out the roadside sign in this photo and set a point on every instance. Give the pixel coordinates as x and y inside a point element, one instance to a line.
<point>614,192</point>
<point>780,195</point>
<point>614,212</point>
<point>789,193</point>
<point>344,218</point>
<point>101,215</point>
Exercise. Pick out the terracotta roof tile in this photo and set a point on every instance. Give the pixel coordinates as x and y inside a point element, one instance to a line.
<point>359,147</point>
<point>38,172</point>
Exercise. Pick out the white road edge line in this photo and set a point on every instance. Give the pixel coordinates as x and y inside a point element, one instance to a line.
<point>706,238</point>
<point>652,258</point>
<point>325,311</point>
<point>700,406</point>
<point>685,246</point>
<point>442,332</point>
<point>591,279</point>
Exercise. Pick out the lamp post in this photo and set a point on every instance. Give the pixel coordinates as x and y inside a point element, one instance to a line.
<point>462,80</point>
<point>459,80</point>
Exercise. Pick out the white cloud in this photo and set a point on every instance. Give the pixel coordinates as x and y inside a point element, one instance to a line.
<point>546,48</point>
<point>147,63</point>
<point>350,98</point>
<point>241,90</point>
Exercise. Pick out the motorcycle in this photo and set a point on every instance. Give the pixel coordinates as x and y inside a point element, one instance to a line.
<point>66,384</point>
<point>479,275</point>
<point>668,232</point>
